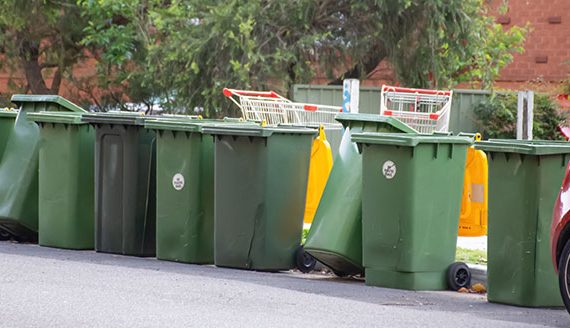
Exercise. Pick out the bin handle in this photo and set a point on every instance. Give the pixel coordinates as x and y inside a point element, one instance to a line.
<point>322,134</point>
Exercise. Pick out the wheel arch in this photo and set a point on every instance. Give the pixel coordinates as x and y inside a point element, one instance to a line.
<point>562,239</point>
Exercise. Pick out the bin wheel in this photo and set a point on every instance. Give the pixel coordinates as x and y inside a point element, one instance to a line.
<point>4,235</point>
<point>304,261</point>
<point>458,276</point>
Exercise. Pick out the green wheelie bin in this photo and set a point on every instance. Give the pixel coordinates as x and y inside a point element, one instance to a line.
<point>260,185</point>
<point>411,199</point>
<point>335,237</point>
<point>125,202</point>
<point>7,120</point>
<point>19,166</point>
<point>184,190</point>
<point>524,180</point>
<point>65,180</point>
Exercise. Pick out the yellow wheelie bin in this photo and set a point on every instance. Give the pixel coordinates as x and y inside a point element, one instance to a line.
<point>319,170</point>
<point>474,201</point>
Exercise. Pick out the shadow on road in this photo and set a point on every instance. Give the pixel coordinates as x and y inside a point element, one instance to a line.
<point>471,304</point>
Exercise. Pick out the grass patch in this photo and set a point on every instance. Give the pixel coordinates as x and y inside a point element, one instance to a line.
<point>304,236</point>
<point>474,256</point>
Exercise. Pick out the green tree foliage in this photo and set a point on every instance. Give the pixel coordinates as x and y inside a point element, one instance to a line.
<point>41,38</point>
<point>497,117</point>
<point>182,53</point>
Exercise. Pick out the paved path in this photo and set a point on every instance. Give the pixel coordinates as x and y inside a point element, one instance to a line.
<point>472,242</point>
<point>43,287</point>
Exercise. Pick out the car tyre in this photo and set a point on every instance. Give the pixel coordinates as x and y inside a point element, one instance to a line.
<point>564,275</point>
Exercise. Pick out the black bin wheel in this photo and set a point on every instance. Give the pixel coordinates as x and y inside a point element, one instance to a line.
<point>458,276</point>
<point>5,235</point>
<point>304,261</point>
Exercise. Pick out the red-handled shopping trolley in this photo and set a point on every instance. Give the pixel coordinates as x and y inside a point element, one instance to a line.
<point>426,111</point>
<point>273,108</point>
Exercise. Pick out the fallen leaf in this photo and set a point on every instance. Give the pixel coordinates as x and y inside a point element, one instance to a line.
<point>478,288</point>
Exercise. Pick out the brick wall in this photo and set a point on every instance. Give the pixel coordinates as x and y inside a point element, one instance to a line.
<point>547,47</point>
<point>546,59</point>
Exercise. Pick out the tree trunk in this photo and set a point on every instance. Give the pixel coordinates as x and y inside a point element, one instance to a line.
<point>29,56</point>
<point>361,70</point>
<point>292,79</point>
<point>56,83</point>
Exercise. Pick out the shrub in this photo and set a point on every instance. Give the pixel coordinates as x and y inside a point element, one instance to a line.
<point>497,117</point>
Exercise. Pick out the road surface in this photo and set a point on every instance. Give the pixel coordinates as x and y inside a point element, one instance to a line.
<point>44,287</point>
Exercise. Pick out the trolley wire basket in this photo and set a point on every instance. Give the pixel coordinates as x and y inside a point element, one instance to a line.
<point>425,110</point>
<point>275,109</point>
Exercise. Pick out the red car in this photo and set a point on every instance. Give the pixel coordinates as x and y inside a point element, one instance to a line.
<point>560,238</point>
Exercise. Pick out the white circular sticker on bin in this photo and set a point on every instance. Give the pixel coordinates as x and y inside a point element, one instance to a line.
<point>389,169</point>
<point>178,181</point>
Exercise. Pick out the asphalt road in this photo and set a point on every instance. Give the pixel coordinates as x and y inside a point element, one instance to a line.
<point>43,287</point>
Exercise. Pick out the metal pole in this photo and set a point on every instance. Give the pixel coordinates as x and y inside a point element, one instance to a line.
<point>520,112</point>
<point>529,114</point>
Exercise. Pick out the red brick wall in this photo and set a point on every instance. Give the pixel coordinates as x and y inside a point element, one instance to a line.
<point>549,39</point>
<point>67,89</point>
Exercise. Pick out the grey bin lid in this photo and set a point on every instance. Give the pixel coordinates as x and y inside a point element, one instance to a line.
<point>124,118</point>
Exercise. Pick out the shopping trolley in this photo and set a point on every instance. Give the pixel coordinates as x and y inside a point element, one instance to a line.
<point>273,108</point>
<point>426,111</point>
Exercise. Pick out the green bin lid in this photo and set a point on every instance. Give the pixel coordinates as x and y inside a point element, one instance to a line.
<point>128,118</point>
<point>56,117</point>
<point>407,139</point>
<point>529,147</point>
<point>8,112</point>
<point>254,130</point>
<point>19,99</point>
<point>346,118</point>
<point>533,142</point>
<point>180,116</point>
<point>188,123</point>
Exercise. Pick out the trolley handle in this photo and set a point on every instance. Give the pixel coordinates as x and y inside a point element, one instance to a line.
<point>234,92</point>
<point>388,88</point>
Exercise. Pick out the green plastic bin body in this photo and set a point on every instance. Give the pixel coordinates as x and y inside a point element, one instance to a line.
<point>66,179</point>
<point>335,237</point>
<point>7,121</point>
<point>184,191</point>
<point>125,184</point>
<point>19,166</point>
<point>260,185</point>
<point>524,180</point>
<point>411,199</point>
